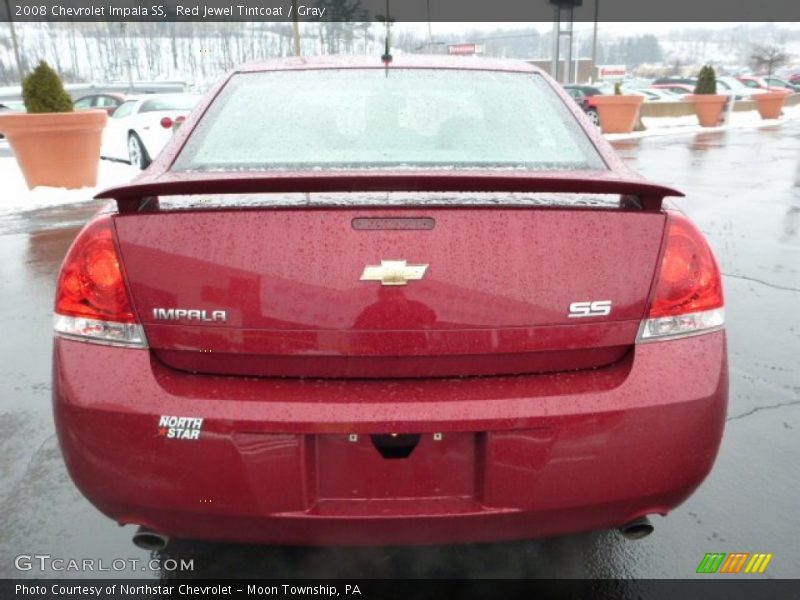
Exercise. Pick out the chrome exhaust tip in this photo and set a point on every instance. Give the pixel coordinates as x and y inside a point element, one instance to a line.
<point>637,529</point>
<point>150,540</point>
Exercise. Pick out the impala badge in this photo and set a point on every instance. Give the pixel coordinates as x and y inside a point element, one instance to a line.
<point>176,314</point>
<point>393,272</point>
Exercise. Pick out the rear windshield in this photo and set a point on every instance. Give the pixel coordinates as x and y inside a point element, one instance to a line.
<point>372,118</point>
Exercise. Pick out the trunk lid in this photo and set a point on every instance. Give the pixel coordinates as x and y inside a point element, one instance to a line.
<point>495,297</point>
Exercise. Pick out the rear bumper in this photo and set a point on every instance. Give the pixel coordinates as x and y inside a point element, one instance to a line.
<point>519,456</point>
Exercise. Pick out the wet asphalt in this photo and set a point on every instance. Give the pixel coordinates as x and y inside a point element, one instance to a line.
<point>743,190</point>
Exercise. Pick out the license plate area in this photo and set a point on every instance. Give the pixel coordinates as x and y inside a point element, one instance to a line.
<point>350,467</point>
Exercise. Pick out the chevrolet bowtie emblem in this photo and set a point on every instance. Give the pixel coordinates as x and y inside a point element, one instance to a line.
<point>393,272</point>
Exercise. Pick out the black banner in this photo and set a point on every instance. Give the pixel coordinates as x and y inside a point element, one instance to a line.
<point>712,588</point>
<point>399,10</point>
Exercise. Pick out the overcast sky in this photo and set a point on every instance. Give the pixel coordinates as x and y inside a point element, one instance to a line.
<point>617,28</point>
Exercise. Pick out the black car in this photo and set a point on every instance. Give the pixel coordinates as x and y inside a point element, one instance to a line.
<point>582,95</point>
<point>674,79</point>
<point>583,90</point>
<point>12,106</point>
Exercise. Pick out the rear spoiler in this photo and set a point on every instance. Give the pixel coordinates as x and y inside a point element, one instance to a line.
<point>134,196</point>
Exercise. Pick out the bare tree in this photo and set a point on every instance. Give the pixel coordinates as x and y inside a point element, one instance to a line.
<point>676,67</point>
<point>769,57</point>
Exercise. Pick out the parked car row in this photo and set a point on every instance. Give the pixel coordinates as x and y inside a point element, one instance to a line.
<point>736,85</point>
<point>584,95</point>
<point>671,89</point>
<point>769,83</point>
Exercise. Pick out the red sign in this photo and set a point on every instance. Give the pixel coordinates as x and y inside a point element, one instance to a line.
<point>465,49</point>
<point>612,71</point>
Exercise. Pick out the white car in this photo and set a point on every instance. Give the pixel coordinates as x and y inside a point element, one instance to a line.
<point>141,126</point>
<point>731,85</point>
<point>653,94</point>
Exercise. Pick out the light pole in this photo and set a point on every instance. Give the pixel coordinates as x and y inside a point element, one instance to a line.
<point>295,29</point>
<point>127,55</point>
<point>430,34</point>
<point>555,59</point>
<point>560,7</point>
<point>594,37</point>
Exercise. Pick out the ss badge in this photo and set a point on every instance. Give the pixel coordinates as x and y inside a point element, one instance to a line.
<point>596,308</point>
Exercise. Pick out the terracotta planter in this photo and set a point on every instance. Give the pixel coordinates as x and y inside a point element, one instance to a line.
<point>770,104</point>
<point>56,149</point>
<point>708,108</point>
<point>618,114</point>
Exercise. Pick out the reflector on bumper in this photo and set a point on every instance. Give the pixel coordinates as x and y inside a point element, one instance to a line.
<point>681,325</point>
<point>100,332</point>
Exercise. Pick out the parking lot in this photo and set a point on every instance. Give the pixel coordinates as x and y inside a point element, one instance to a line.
<point>743,189</point>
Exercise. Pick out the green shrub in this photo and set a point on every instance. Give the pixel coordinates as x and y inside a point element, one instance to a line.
<point>706,81</point>
<point>43,91</point>
<point>618,89</point>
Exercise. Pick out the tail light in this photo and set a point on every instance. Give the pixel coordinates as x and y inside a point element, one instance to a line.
<point>166,123</point>
<point>92,301</point>
<point>688,296</point>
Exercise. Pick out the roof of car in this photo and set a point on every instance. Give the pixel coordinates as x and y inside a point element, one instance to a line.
<point>142,97</point>
<point>112,94</point>
<point>400,61</point>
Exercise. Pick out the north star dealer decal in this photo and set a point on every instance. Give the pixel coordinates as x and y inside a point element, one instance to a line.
<point>179,428</point>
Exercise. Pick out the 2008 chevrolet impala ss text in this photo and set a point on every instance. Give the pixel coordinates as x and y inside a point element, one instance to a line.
<point>356,302</point>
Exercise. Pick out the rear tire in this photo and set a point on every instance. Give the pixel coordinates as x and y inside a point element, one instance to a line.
<point>593,116</point>
<point>137,153</point>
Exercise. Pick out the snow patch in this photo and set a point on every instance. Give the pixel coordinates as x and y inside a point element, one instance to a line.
<point>657,126</point>
<point>16,197</point>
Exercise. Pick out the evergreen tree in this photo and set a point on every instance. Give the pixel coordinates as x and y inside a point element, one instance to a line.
<point>43,91</point>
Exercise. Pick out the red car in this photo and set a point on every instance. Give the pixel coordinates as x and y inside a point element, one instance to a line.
<point>771,84</point>
<point>357,303</point>
<point>108,102</point>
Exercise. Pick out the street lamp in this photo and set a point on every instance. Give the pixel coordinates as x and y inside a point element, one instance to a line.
<point>559,6</point>
<point>295,29</point>
<point>594,36</point>
<point>428,14</point>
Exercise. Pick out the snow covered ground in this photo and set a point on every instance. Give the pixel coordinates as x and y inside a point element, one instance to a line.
<point>686,125</point>
<point>15,197</point>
